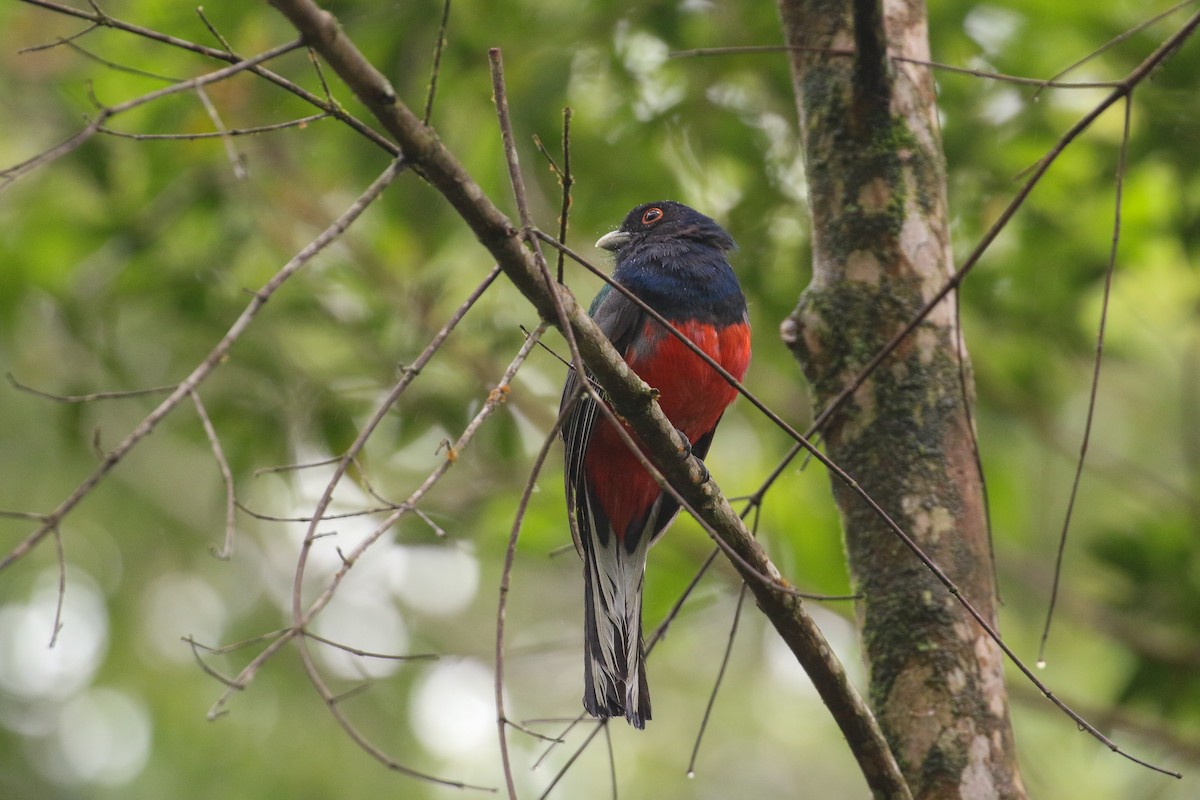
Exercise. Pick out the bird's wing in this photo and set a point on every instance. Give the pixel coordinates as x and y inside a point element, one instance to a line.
<point>620,321</point>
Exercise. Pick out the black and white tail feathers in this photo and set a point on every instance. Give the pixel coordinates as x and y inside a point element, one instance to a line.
<point>614,657</point>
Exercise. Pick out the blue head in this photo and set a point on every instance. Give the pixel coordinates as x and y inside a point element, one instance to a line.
<point>673,257</point>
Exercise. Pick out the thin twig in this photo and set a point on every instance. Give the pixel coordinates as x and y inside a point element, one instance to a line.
<point>235,158</point>
<point>1091,410</point>
<point>362,512</point>
<point>248,672</point>
<point>206,367</point>
<point>660,631</point>
<point>86,398</point>
<point>845,51</point>
<point>1125,86</point>
<point>10,174</point>
<point>37,48</point>
<point>531,732</point>
<point>494,230</point>
<point>233,647</point>
<point>353,691</point>
<point>216,34</point>
<point>302,617</point>
<point>565,180</point>
<point>61,557</point>
<point>31,516</point>
<point>612,759</point>
<point>204,666</point>
<point>226,551</point>
<point>510,554</point>
<point>712,697</point>
<point>562,737</point>
<point>1113,42</point>
<point>558,776</point>
<point>329,106</point>
<point>514,164</point>
<point>297,467</point>
<point>438,531</point>
<point>438,47</point>
<point>347,459</point>
<point>495,399</point>
<point>83,51</point>
<point>367,653</point>
<point>302,122</point>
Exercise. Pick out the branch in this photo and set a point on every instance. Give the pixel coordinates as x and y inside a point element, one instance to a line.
<point>100,19</point>
<point>206,367</point>
<point>9,175</point>
<point>631,397</point>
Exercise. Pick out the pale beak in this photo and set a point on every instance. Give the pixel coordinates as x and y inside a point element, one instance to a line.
<point>613,241</point>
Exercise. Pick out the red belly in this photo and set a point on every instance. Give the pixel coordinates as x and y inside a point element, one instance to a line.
<point>692,395</point>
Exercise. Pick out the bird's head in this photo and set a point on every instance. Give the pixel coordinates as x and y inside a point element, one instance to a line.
<point>664,221</point>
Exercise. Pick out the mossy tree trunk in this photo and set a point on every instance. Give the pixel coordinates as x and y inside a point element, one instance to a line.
<point>881,249</point>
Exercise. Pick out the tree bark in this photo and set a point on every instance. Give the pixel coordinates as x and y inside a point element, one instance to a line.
<point>881,249</point>
<point>629,396</point>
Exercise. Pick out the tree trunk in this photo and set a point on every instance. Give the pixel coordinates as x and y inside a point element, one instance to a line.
<point>881,249</point>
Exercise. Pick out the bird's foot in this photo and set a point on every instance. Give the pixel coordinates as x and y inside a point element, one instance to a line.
<point>686,453</point>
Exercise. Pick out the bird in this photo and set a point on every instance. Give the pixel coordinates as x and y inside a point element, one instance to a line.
<point>673,258</point>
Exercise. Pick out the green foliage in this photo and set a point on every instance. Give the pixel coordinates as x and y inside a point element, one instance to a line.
<point>123,263</point>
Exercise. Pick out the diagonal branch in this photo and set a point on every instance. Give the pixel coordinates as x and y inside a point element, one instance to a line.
<point>628,394</point>
<point>50,522</point>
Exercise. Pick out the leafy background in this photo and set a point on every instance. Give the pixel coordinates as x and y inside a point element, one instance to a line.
<point>122,264</point>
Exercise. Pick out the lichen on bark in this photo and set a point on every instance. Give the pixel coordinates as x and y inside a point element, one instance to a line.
<point>877,191</point>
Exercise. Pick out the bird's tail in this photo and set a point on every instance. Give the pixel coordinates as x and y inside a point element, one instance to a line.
<point>614,656</point>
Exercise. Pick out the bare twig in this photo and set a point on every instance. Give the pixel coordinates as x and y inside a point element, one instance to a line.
<point>296,467</point>
<point>514,165</point>
<point>712,697</point>
<point>215,357</point>
<point>347,459</point>
<point>612,759</point>
<point>37,48</point>
<point>561,738</point>
<point>367,653</point>
<point>495,399</point>
<point>596,728</point>
<point>1113,42</point>
<point>61,558</point>
<point>83,51</point>
<point>625,391</point>
<point>1091,410</point>
<point>235,158</point>
<point>564,179</point>
<point>845,51</point>
<point>328,105</point>
<point>1124,88</point>
<point>302,122</point>
<point>510,554</point>
<point>438,47</point>
<point>86,398</point>
<point>214,441</point>
<point>216,34</point>
<point>9,175</point>
<point>30,516</point>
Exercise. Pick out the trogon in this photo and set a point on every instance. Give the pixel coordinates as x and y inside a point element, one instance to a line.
<point>673,258</point>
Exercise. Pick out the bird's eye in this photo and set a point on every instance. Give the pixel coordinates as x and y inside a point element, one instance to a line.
<point>651,215</point>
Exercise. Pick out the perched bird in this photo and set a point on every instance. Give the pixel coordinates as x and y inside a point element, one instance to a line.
<point>672,258</point>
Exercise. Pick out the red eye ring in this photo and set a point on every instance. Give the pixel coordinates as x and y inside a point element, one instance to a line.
<point>651,215</point>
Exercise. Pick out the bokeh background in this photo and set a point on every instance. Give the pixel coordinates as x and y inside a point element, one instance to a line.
<point>123,263</point>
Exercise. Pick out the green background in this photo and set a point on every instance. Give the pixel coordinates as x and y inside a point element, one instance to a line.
<point>123,263</point>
